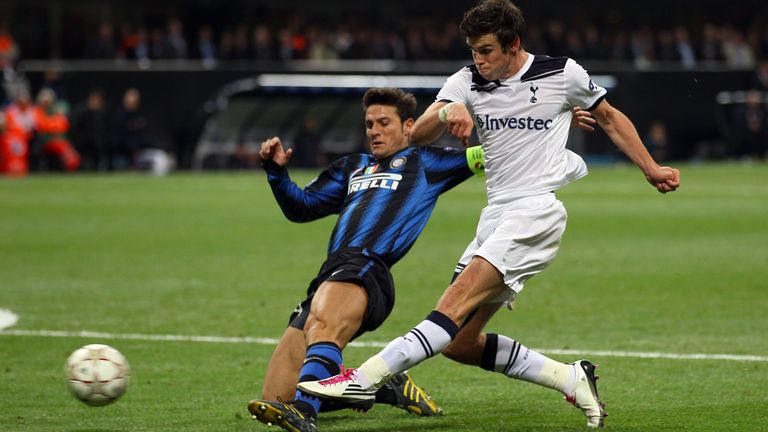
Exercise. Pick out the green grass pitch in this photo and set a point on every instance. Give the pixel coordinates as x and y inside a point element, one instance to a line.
<point>211,255</point>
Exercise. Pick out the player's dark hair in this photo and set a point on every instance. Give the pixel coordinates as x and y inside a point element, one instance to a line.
<point>499,17</point>
<point>405,103</point>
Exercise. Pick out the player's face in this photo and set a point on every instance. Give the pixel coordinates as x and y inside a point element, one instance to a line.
<point>386,133</point>
<point>491,60</point>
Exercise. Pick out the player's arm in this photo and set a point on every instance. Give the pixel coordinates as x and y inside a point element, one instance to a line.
<point>321,198</point>
<point>442,115</point>
<point>622,132</point>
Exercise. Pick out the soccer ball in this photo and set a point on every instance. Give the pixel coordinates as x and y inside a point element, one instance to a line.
<point>97,374</point>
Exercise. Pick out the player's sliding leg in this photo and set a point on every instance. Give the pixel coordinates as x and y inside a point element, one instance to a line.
<point>284,366</point>
<point>327,330</point>
<point>288,360</point>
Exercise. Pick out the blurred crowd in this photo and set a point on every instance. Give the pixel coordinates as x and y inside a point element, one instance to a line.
<point>41,129</point>
<point>44,134</point>
<point>420,38</point>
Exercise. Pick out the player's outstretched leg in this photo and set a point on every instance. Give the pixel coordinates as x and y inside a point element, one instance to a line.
<point>281,414</point>
<point>403,393</point>
<point>584,393</point>
<point>576,381</point>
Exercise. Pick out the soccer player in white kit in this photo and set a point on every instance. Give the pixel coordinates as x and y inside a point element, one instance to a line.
<point>520,104</point>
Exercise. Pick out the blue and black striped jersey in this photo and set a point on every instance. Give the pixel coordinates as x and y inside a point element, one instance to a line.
<point>383,205</point>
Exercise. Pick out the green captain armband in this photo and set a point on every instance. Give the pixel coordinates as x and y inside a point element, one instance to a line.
<point>475,160</point>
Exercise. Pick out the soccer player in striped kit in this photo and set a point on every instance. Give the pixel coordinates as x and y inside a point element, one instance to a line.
<point>383,200</point>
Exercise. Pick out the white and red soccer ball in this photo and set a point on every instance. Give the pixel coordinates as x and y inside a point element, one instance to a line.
<point>97,374</point>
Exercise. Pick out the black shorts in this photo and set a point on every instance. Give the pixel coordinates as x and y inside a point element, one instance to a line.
<point>361,267</point>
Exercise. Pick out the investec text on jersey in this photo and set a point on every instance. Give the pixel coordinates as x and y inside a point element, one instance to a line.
<point>488,123</point>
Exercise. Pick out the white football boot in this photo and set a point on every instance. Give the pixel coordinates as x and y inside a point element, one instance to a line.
<point>584,395</point>
<point>343,387</point>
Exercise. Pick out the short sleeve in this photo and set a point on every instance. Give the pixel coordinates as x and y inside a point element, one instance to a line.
<point>580,89</point>
<point>456,87</point>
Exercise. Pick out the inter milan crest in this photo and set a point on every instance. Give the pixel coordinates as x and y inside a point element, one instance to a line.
<point>398,162</point>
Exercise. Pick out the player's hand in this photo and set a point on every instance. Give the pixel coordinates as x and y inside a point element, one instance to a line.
<point>664,179</point>
<point>272,149</point>
<point>459,121</point>
<point>582,119</point>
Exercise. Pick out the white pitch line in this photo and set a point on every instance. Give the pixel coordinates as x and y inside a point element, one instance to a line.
<point>272,341</point>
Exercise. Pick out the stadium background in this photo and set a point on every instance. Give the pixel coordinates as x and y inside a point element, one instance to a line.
<point>209,106</point>
<point>192,275</point>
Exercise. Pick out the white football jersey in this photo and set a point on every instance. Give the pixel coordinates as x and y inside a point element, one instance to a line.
<point>523,123</point>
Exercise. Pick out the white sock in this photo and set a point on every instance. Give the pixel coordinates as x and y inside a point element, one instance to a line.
<point>515,360</point>
<point>425,340</point>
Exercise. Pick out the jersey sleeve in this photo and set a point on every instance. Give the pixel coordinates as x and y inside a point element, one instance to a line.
<point>449,166</point>
<point>456,88</point>
<point>321,197</point>
<point>580,89</point>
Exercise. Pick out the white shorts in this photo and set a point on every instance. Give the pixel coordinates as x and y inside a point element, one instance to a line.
<point>520,239</point>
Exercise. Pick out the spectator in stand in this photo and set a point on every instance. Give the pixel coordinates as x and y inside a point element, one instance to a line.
<point>620,49</point>
<point>642,45</point>
<point>762,43</point>
<point>103,45</point>
<point>263,43</point>
<point>760,79</point>
<point>593,48</point>
<point>666,49</point>
<point>285,45</point>
<point>9,50</point>
<point>738,54</point>
<point>414,42</point>
<point>240,47</point>
<point>10,79</point>
<point>52,80</point>
<point>711,44</point>
<point>175,46</point>
<point>141,48</point>
<point>657,141</point>
<point>751,123</point>
<point>205,49</point>
<point>319,45</point>
<point>157,47</point>
<point>226,45</point>
<point>90,131</point>
<point>52,125</point>
<point>306,144</point>
<point>19,128</point>
<point>129,132</point>
<point>685,51</point>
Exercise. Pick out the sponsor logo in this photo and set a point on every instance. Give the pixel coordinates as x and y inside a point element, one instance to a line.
<point>534,89</point>
<point>374,181</point>
<point>530,123</point>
